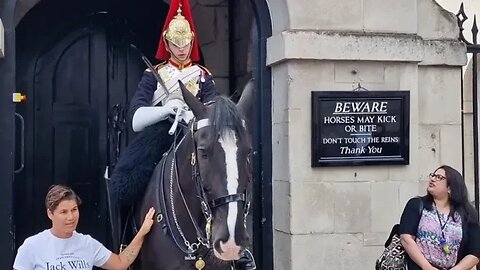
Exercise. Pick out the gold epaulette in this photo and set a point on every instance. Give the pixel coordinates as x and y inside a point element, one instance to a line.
<point>157,67</point>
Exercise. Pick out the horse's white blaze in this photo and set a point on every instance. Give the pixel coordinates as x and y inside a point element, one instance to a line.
<point>228,141</point>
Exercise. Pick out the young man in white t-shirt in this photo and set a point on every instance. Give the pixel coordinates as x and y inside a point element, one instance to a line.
<point>62,248</point>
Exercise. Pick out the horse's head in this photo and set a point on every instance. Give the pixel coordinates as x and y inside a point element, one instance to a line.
<point>224,155</point>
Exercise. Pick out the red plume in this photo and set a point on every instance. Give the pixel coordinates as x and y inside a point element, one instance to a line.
<point>162,53</point>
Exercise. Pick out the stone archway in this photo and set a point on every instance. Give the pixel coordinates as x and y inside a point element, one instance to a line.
<point>22,7</point>
<point>263,219</point>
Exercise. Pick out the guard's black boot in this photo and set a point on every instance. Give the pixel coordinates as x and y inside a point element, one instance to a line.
<point>246,262</point>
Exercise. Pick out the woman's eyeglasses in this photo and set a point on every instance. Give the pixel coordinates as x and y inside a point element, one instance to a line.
<point>437,177</point>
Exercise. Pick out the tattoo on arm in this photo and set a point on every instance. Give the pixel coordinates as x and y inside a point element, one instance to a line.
<point>130,253</point>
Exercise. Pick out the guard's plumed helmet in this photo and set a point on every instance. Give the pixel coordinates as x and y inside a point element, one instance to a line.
<point>178,29</point>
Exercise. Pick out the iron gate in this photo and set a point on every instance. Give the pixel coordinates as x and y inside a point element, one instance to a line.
<point>473,49</point>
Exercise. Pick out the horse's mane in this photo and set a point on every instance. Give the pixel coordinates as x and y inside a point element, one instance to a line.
<point>225,116</point>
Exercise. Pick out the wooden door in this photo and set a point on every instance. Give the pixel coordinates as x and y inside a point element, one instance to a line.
<point>74,85</point>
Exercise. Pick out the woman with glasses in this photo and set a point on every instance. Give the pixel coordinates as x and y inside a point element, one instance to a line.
<point>440,230</point>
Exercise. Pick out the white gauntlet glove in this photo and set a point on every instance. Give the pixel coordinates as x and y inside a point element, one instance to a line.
<point>174,104</point>
<point>187,116</point>
<point>147,116</point>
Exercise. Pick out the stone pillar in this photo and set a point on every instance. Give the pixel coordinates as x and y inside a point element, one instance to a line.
<point>339,217</point>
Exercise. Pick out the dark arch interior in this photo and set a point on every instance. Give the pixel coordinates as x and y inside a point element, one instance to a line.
<point>48,20</point>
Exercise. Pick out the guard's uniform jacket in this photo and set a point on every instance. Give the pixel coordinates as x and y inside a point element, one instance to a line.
<point>170,72</point>
<point>137,162</point>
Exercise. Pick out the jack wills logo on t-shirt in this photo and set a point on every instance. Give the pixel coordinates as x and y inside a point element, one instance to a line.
<point>59,266</point>
<point>69,265</point>
<point>79,264</point>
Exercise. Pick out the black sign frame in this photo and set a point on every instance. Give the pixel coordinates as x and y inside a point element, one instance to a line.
<point>320,100</point>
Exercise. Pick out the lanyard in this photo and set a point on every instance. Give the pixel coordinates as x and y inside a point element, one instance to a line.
<point>443,240</point>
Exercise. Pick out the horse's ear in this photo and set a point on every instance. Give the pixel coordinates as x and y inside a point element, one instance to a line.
<point>197,107</point>
<point>246,100</point>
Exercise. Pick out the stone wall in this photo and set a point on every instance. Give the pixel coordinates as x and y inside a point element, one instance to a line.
<point>339,217</point>
<point>211,19</point>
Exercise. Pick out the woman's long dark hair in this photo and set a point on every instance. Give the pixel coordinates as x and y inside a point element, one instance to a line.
<point>458,195</point>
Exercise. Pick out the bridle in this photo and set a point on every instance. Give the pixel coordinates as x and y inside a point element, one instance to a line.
<point>206,205</point>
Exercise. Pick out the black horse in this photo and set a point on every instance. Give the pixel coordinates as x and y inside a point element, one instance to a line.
<point>201,189</point>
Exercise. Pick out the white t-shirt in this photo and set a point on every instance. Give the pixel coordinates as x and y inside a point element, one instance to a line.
<point>44,251</point>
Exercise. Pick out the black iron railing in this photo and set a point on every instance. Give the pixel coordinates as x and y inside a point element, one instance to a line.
<point>473,48</point>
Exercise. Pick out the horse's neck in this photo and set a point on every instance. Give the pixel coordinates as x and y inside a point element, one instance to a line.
<point>186,180</point>
<point>184,167</point>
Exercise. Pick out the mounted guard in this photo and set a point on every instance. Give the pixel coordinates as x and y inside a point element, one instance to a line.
<point>157,107</point>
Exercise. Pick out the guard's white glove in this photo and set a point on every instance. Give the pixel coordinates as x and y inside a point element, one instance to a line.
<point>174,104</point>
<point>187,116</point>
<point>147,116</point>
